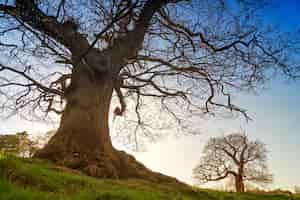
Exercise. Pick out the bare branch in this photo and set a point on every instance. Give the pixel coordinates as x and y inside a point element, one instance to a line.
<point>228,155</point>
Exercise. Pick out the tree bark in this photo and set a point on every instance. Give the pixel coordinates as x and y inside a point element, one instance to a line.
<point>82,140</point>
<point>239,184</point>
<point>83,134</point>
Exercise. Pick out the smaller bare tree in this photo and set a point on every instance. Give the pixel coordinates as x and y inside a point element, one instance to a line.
<point>233,155</point>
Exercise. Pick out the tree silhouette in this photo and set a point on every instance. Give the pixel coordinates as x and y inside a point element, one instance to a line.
<point>70,57</point>
<point>233,156</point>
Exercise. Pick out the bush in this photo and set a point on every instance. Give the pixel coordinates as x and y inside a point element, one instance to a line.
<point>18,144</point>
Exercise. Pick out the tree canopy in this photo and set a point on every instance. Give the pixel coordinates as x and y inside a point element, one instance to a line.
<point>188,52</point>
<point>236,156</point>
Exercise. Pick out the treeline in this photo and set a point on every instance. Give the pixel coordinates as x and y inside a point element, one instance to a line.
<point>21,144</point>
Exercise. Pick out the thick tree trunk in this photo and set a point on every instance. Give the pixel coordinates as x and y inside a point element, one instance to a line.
<point>239,184</point>
<point>83,142</point>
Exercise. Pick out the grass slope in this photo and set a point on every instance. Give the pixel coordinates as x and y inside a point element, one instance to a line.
<point>27,179</point>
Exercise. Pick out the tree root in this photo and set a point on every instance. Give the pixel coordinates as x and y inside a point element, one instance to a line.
<point>116,165</point>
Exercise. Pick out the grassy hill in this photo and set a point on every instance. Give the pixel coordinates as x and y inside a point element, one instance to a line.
<point>27,179</point>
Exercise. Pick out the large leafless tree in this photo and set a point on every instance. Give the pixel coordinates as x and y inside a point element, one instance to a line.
<point>70,56</point>
<point>234,156</point>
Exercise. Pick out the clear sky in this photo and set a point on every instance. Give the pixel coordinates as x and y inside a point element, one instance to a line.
<point>276,121</point>
<point>275,111</point>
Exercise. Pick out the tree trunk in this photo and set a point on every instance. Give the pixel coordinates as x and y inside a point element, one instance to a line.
<point>82,140</point>
<point>239,184</point>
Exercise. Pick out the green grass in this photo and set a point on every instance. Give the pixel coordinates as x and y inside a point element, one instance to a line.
<point>27,179</point>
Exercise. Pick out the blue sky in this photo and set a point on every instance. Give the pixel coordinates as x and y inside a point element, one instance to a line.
<point>285,13</point>
<point>276,122</point>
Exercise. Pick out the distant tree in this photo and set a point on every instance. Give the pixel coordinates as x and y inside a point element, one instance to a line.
<point>233,155</point>
<point>297,189</point>
<point>229,185</point>
<point>19,144</point>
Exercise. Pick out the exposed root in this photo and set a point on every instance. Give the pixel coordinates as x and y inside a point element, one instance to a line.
<point>116,165</point>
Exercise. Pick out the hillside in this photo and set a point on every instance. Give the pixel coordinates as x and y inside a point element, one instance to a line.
<point>27,179</point>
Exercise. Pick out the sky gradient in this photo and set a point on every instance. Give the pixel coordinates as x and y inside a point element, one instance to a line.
<point>276,116</point>
<point>276,122</point>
